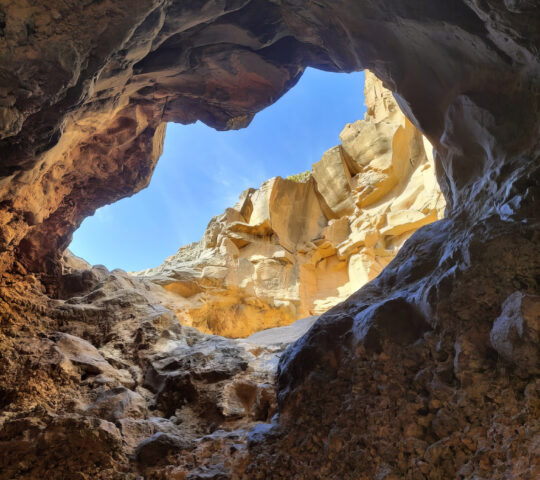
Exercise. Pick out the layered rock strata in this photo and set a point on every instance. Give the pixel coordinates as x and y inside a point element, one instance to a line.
<point>292,248</point>
<point>429,371</point>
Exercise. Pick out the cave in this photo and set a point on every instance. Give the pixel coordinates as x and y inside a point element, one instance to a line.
<point>429,371</point>
<point>296,245</point>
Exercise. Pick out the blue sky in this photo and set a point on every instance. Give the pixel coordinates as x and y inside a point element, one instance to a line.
<point>202,171</point>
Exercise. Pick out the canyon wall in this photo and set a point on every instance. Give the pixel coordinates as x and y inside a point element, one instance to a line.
<point>428,371</point>
<point>295,248</point>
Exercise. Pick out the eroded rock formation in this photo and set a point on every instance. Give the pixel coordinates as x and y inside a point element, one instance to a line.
<point>292,249</point>
<point>112,384</point>
<point>429,371</point>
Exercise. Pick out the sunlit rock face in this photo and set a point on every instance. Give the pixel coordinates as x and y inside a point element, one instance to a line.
<point>295,248</point>
<point>428,371</point>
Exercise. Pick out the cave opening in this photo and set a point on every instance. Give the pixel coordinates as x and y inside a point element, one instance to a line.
<point>214,319</point>
<point>305,222</point>
<point>429,371</point>
<point>202,171</point>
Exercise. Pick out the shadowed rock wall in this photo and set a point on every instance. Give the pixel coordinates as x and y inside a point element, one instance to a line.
<point>430,371</point>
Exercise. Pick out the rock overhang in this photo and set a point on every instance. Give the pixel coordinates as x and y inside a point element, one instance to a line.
<point>112,87</point>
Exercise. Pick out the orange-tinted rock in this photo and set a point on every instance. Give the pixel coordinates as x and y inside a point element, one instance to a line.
<point>292,249</point>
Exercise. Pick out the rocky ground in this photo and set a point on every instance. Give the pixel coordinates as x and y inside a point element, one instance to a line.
<point>429,371</point>
<point>107,383</point>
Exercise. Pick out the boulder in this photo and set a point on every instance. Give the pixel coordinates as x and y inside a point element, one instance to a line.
<point>118,403</point>
<point>155,449</point>
<point>516,333</point>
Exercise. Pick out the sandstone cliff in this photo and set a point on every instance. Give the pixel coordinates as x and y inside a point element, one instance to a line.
<point>292,249</point>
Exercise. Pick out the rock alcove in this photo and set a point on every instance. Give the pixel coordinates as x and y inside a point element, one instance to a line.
<point>430,371</point>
